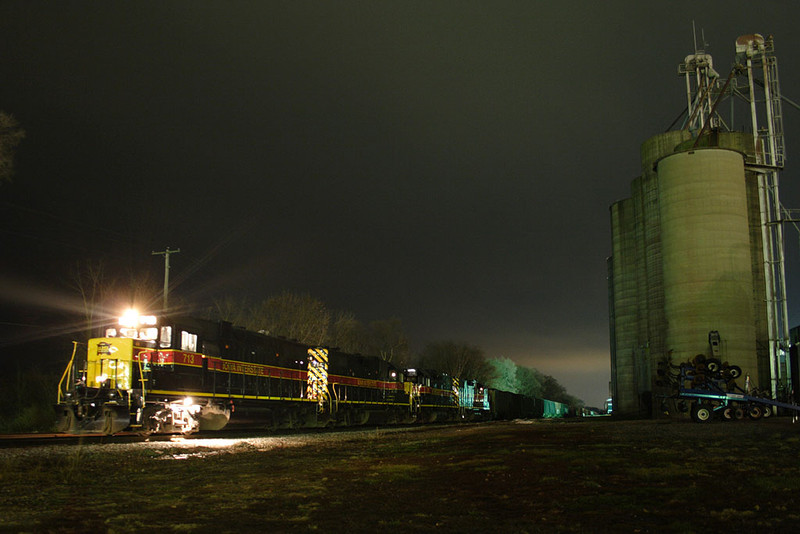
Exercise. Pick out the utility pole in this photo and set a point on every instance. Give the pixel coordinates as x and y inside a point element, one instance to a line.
<point>166,254</point>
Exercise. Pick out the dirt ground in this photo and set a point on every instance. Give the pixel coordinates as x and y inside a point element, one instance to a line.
<point>591,475</point>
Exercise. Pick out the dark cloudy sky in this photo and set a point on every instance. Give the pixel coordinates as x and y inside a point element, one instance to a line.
<point>447,163</point>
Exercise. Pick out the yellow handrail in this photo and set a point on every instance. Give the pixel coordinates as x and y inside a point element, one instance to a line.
<point>142,379</point>
<point>67,372</point>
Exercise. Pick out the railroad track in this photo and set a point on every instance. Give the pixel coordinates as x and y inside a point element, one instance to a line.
<point>32,440</point>
<point>98,438</point>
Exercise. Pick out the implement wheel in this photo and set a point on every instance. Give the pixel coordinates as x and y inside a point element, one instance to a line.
<point>755,411</point>
<point>701,412</point>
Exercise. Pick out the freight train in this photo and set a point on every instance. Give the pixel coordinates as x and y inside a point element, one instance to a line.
<point>182,374</point>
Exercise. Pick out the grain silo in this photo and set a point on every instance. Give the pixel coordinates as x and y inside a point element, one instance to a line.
<point>705,240</point>
<point>624,315</point>
<point>696,257</point>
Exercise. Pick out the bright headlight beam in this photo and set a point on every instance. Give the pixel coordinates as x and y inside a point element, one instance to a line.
<point>130,318</point>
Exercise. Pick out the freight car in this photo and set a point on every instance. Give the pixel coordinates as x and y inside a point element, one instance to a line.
<point>505,405</point>
<point>182,374</point>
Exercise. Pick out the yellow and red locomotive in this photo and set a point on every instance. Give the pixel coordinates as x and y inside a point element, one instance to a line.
<point>182,374</point>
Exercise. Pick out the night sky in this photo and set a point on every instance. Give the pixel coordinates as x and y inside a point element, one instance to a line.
<point>447,163</point>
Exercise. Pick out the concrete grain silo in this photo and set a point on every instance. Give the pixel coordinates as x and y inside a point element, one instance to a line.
<point>652,151</point>
<point>689,249</point>
<point>705,237</point>
<point>684,263</point>
<point>624,310</point>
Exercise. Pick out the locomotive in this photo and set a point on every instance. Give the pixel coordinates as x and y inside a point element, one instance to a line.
<point>182,374</point>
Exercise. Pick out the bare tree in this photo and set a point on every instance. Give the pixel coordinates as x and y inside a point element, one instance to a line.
<point>306,319</point>
<point>10,136</point>
<point>231,309</point>
<point>457,359</point>
<point>389,341</point>
<point>141,289</point>
<point>90,280</point>
<point>348,334</point>
<point>294,316</point>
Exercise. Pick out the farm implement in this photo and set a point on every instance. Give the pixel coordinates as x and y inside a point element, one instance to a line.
<point>707,389</point>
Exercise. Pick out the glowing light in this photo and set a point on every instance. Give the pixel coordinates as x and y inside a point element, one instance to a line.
<point>149,333</point>
<point>130,318</point>
<point>101,378</point>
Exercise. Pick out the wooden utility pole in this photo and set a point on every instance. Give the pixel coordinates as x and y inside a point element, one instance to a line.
<point>166,254</point>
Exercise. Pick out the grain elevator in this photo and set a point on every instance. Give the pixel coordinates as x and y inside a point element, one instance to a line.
<point>696,266</point>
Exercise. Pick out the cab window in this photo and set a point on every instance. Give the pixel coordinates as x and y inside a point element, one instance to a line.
<point>188,341</point>
<point>165,340</point>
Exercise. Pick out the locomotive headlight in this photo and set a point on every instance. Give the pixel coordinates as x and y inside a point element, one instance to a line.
<point>187,405</point>
<point>130,318</point>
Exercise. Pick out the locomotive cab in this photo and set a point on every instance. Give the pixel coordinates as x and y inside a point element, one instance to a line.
<point>129,380</point>
<point>98,390</point>
<point>109,363</point>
